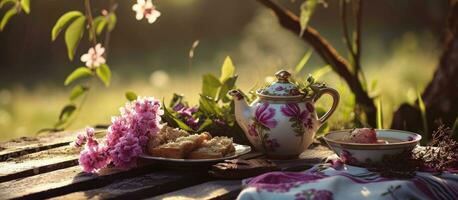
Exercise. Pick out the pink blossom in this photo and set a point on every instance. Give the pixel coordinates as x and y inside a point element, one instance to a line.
<point>146,9</point>
<point>265,115</point>
<point>127,136</point>
<point>93,159</point>
<point>126,151</point>
<point>94,57</point>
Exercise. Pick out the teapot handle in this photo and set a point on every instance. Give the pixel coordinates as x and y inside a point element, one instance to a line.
<point>335,101</point>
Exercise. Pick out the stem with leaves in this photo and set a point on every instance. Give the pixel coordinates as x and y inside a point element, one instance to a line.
<point>90,19</point>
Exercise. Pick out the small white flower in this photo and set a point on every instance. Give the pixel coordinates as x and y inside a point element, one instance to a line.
<point>94,57</point>
<point>146,9</point>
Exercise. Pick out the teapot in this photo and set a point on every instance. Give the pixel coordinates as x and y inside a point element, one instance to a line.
<point>282,120</point>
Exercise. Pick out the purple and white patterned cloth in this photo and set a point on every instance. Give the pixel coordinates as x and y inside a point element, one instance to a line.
<point>324,182</point>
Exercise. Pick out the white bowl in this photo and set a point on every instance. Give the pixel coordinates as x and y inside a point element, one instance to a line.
<point>364,154</point>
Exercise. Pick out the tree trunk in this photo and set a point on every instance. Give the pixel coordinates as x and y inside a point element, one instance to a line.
<point>441,94</point>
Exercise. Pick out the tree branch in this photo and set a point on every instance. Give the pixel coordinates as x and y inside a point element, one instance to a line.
<point>329,54</point>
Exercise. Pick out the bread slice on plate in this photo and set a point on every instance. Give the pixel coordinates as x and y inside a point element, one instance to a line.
<point>166,134</point>
<point>217,147</point>
<point>181,147</point>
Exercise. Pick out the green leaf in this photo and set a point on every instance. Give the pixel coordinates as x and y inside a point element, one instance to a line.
<point>204,125</point>
<point>104,73</point>
<point>74,34</point>
<point>25,4</point>
<point>77,91</point>
<point>10,13</point>
<point>62,21</point>
<point>99,24</point>
<point>379,114</point>
<point>79,72</point>
<point>317,74</point>
<point>210,85</point>
<point>228,85</point>
<point>303,61</point>
<point>421,105</point>
<point>227,70</point>
<point>66,112</point>
<point>112,21</point>
<point>178,122</point>
<point>131,96</point>
<point>307,9</point>
<point>6,2</point>
<point>209,106</point>
<point>176,99</point>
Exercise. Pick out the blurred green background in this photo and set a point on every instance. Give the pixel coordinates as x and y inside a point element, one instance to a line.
<point>401,45</point>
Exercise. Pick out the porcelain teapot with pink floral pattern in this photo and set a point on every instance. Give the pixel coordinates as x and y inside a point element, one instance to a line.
<point>282,121</point>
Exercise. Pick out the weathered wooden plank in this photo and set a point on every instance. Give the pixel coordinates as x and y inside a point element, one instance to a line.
<point>27,145</point>
<point>39,162</point>
<point>208,190</point>
<point>151,184</point>
<point>68,180</point>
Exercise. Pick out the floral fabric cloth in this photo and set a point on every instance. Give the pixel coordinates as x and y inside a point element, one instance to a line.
<point>324,182</point>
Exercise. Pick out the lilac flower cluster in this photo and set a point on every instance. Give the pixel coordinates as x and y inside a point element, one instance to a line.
<point>127,136</point>
<point>185,113</point>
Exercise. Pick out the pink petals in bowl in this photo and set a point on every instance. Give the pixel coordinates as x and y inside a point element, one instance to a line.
<point>362,148</point>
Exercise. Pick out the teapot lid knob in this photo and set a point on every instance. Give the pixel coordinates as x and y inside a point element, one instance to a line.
<point>283,76</point>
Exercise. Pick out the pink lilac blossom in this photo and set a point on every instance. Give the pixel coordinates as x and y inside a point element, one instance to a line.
<point>127,136</point>
<point>265,115</point>
<point>125,152</point>
<point>94,156</point>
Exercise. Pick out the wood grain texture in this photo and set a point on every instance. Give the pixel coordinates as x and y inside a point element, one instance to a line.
<point>39,162</point>
<point>208,190</point>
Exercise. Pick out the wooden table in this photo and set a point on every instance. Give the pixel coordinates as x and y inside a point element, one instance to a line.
<point>47,167</point>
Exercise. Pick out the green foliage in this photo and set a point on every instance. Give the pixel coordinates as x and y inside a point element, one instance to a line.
<point>65,114</point>
<point>215,112</point>
<point>104,74</point>
<point>210,85</point>
<point>379,114</point>
<point>307,9</point>
<point>25,4</point>
<point>172,120</point>
<point>303,61</point>
<point>224,89</point>
<point>77,91</point>
<point>73,35</point>
<point>227,70</point>
<point>112,19</point>
<point>99,24</point>
<point>79,72</point>
<point>131,96</point>
<point>317,74</point>
<point>62,21</point>
<point>6,18</point>
<point>6,2</point>
<point>421,105</point>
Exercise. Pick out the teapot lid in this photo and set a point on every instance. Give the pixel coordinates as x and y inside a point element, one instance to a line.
<point>282,87</point>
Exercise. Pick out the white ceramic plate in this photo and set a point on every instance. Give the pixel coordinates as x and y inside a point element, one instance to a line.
<point>239,150</point>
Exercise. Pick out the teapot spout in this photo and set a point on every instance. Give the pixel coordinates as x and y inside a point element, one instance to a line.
<point>241,108</point>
